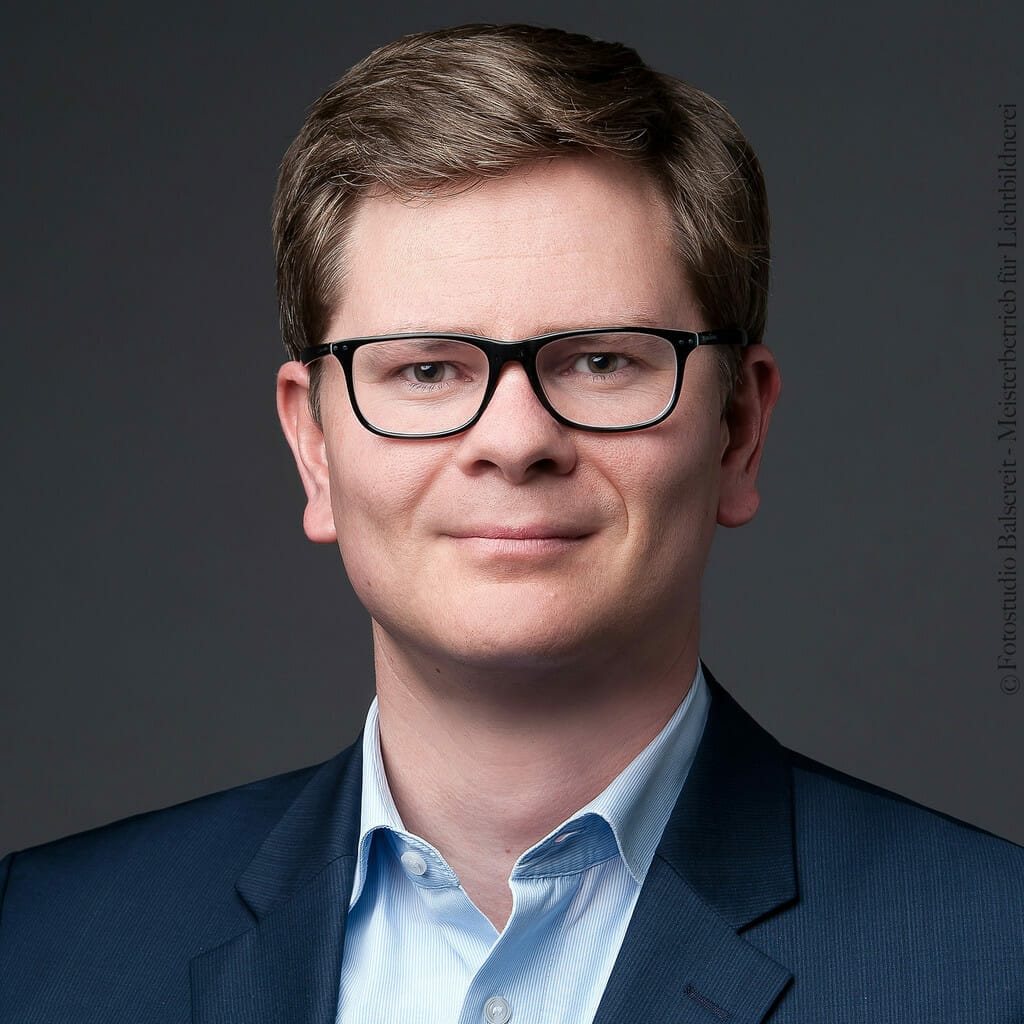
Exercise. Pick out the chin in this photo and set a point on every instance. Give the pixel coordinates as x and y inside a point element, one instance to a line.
<point>522,634</point>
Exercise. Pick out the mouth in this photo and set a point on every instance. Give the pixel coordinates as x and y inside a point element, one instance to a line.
<point>519,542</point>
<point>538,532</point>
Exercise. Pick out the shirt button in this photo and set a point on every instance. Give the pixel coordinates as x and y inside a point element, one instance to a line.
<point>496,1010</point>
<point>414,864</point>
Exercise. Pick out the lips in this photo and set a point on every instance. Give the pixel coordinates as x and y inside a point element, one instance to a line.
<point>540,531</point>
<point>526,546</point>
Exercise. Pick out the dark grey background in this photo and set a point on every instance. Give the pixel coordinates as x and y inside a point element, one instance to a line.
<point>169,631</point>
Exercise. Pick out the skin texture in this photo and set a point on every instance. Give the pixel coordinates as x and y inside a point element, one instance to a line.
<point>517,676</point>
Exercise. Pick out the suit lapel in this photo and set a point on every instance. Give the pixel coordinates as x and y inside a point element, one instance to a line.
<point>726,859</point>
<point>681,962</point>
<point>286,968</point>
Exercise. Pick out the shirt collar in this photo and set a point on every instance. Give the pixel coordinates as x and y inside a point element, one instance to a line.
<point>638,802</point>
<point>636,805</point>
<point>377,809</point>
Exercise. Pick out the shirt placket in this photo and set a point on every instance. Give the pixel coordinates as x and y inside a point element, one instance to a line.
<point>513,982</point>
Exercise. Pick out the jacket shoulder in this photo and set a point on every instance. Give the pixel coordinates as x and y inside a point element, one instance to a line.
<point>903,855</point>
<point>169,866</point>
<point>900,911</point>
<point>230,819</point>
<point>837,794</point>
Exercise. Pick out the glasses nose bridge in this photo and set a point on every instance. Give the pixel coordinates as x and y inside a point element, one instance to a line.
<point>500,354</point>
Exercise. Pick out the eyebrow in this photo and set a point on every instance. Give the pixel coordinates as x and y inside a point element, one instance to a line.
<point>636,318</point>
<point>412,346</point>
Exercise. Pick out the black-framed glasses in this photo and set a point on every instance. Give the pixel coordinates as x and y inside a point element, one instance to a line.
<point>434,385</point>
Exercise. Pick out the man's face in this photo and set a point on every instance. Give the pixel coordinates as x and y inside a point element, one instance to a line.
<point>521,542</point>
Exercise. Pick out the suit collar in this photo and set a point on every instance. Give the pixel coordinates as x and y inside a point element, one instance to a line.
<point>730,837</point>
<point>319,827</point>
<point>297,886</point>
<point>725,860</point>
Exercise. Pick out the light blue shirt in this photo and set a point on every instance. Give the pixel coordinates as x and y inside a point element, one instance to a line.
<point>417,949</point>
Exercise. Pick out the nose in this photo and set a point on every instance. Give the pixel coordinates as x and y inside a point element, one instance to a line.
<point>516,435</point>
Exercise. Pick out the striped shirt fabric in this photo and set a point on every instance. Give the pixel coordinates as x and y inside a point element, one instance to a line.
<point>418,950</point>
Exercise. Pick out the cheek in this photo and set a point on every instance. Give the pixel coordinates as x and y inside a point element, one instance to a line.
<point>671,495</point>
<point>377,487</point>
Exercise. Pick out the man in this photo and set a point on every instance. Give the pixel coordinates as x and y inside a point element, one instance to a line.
<point>523,282</point>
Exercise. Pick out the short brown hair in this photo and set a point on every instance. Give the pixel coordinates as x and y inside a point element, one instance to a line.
<point>459,105</point>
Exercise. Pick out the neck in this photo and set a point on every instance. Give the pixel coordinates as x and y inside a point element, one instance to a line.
<point>508,756</point>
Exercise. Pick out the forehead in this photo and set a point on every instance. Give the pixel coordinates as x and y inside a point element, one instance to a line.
<point>573,241</point>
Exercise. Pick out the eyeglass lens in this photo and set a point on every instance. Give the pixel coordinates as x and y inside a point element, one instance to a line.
<point>427,385</point>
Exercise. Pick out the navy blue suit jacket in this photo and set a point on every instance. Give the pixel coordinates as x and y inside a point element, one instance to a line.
<point>781,891</point>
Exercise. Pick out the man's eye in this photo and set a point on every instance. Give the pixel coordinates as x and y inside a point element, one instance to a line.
<point>599,363</point>
<point>429,373</point>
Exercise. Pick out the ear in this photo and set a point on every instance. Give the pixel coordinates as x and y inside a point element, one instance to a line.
<point>744,429</point>
<point>306,440</point>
